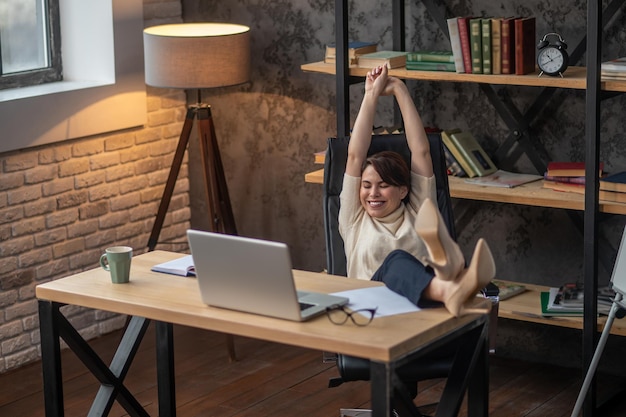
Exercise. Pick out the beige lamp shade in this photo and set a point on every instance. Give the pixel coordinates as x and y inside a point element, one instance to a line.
<point>197,55</point>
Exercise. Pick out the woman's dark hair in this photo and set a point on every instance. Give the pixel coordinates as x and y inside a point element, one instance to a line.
<point>391,167</point>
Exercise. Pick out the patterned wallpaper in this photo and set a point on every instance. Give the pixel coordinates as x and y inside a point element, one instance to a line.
<point>269,129</point>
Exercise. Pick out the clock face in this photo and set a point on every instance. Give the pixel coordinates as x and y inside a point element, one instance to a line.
<point>551,60</point>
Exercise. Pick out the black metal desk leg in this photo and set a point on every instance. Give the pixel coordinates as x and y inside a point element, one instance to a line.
<point>51,359</point>
<point>478,389</point>
<point>165,368</point>
<point>382,389</point>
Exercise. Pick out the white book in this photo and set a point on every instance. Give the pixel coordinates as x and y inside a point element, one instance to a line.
<point>455,44</point>
<point>181,266</point>
<point>616,65</point>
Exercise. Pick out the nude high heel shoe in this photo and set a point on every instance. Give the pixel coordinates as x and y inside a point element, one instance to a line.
<point>480,272</point>
<point>445,255</point>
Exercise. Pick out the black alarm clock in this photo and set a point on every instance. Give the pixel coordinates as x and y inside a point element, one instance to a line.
<point>552,57</point>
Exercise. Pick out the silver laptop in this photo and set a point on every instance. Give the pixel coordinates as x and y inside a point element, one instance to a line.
<point>252,275</point>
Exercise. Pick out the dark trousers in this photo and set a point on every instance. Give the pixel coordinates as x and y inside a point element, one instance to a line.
<point>404,274</point>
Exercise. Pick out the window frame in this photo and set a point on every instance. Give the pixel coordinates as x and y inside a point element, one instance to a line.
<point>54,71</point>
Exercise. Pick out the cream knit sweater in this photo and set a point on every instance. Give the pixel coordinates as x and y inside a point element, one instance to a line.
<point>368,240</point>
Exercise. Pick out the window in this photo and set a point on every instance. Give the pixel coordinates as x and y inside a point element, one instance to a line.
<point>30,47</point>
<point>103,88</point>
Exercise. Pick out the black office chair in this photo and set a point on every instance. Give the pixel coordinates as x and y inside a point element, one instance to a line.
<point>437,364</point>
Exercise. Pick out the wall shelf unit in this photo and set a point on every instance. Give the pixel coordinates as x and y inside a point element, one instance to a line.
<point>580,78</point>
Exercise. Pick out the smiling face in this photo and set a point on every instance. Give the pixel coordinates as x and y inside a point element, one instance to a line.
<point>378,197</point>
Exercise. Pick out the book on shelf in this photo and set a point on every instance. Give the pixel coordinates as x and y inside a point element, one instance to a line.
<point>485,30</point>
<point>525,45</point>
<point>508,289</point>
<point>613,76</point>
<point>504,179</point>
<point>466,48</point>
<point>617,65</point>
<point>473,153</point>
<point>565,187</point>
<point>612,196</point>
<point>496,45</point>
<point>430,56</point>
<point>568,169</point>
<point>452,165</point>
<point>508,45</point>
<point>181,266</point>
<point>476,44</point>
<point>549,308</point>
<point>575,180</point>
<point>455,44</point>
<point>571,296</point>
<point>393,59</point>
<point>456,152</point>
<point>430,66</point>
<point>355,48</point>
<point>614,182</point>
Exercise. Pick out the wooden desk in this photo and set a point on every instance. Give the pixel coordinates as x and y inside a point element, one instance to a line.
<point>388,342</point>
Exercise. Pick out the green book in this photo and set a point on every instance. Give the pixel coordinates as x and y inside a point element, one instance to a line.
<point>430,56</point>
<point>431,66</point>
<point>473,153</point>
<point>547,312</point>
<point>476,45</point>
<point>486,44</point>
<point>456,152</point>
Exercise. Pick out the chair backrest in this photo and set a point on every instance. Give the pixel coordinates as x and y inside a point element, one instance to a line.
<point>334,168</point>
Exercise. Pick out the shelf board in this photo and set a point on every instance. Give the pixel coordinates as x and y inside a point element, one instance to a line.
<point>574,77</point>
<point>532,194</point>
<point>527,307</point>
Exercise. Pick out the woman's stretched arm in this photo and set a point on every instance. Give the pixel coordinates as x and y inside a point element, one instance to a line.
<point>361,138</point>
<point>421,162</point>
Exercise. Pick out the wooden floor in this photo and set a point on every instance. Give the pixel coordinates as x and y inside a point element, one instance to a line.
<point>274,380</point>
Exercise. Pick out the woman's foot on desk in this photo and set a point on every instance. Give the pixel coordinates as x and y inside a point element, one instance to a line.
<point>464,288</point>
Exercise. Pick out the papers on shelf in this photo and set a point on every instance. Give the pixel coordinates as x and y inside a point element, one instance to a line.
<point>181,266</point>
<point>504,179</point>
<point>386,301</point>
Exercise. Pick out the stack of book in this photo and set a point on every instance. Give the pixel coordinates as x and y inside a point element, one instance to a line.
<point>493,45</point>
<point>613,187</point>
<point>567,176</point>
<point>568,300</point>
<point>430,61</point>
<point>614,69</point>
<point>464,152</point>
<point>355,49</point>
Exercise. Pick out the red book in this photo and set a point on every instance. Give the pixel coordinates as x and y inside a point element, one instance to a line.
<point>508,45</point>
<point>568,169</point>
<point>463,23</point>
<point>525,44</point>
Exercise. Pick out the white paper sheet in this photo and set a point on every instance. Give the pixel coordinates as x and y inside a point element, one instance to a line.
<point>386,301</point>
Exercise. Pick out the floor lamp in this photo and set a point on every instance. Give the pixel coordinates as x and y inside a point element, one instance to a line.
<point>198,56</point>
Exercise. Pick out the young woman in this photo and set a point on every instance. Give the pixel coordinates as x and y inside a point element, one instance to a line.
<point>392,230</point>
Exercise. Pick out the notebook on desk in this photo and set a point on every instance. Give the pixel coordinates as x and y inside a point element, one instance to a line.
<point>252,275</point>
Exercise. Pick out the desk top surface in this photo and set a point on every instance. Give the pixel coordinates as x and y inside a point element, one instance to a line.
<point>175,299</point>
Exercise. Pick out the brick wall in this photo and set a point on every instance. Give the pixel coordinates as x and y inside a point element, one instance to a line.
<point>61,205</point>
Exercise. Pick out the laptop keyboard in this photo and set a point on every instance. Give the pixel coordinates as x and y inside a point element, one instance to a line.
<point>304,306</point>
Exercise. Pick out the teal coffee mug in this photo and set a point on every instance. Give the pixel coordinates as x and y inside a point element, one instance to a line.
<point>117,261</point>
